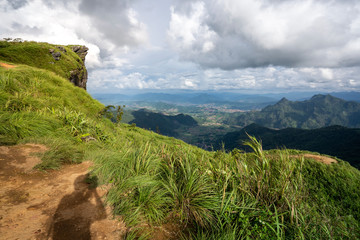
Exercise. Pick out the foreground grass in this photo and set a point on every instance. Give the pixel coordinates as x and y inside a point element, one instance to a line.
<point>154,179</point>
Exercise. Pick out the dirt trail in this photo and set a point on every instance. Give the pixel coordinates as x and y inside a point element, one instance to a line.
<point>5,65</point>
<point>50,205</point>
<point>319,158</point>
<point>322,159</point>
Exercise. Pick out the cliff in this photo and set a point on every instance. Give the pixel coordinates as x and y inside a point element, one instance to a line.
<point>79,76</point>
<point>66,61</point>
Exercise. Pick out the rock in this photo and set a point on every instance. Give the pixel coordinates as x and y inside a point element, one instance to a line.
<point>88,139</point>
<point>81,51</point>
<point>56,55</point>
<point>61,48</point>
<point>79,76</point>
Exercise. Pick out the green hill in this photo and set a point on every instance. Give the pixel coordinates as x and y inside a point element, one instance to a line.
<point>156,182</point>
<point>161,123</point>
<point>337,141</point>
<point>319,111</point>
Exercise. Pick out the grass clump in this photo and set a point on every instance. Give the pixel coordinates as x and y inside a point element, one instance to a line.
<point>61,152</point>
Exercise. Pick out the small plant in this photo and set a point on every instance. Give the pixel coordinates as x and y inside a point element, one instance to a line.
<point>61,152</point>
<point>92,180</point>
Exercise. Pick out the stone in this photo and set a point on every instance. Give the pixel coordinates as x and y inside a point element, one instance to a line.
<point>88,139</point>
<point>61,48</point>
<point>79,76</point>
<point>81,51</point>
<point>56,55</point>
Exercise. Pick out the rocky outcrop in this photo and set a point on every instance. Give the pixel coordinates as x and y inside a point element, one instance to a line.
<point>81,51</point>
<point>79,76</point>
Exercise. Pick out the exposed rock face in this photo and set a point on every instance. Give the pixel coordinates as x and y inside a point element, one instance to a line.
<point>81,51</point>
<point>79,76</point>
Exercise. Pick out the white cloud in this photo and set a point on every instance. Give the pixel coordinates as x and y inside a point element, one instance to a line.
<point>107,31</point>
<point>258,33</point>
<point>326,73</point>
<point>252,45</point>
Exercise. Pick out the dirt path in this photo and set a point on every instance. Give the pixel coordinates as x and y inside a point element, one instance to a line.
<point>50,205</point>
<point>319,158</point>
<point>5,65</point>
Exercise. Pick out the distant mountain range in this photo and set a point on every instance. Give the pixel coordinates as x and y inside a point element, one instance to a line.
<point>319,111</point>
<point>208,97</point>
<point>338,141</point>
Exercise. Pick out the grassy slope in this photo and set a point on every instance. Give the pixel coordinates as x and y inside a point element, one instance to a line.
<point>37,55</point>
<point>323,140</point>
<point>156,179</point>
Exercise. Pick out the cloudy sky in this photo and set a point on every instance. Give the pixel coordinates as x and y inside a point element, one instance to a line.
<point>245,45</point>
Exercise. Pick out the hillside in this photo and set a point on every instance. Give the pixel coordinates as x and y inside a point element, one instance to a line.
<point>160,123</point>
<point>319,111</point>
<point>162,188</point>
<point>337,141</point>
<point>65,61</point>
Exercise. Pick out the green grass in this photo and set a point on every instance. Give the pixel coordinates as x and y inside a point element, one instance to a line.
<point>37,55</point>
<point>154,179</point>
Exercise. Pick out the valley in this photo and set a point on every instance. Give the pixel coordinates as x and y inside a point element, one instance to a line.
<point>313,124</point>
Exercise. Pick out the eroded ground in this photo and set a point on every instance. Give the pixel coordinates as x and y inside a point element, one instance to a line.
<point>50,205</point>
<point>5,65</point>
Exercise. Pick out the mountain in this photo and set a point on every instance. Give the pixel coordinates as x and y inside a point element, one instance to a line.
<point>162,123</point>
<point>338,141</point>
<point>319,111</point>
<point>233,100</point>
<point>161,187</point>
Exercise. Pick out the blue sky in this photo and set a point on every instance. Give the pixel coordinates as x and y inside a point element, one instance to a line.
<point>247,45</point>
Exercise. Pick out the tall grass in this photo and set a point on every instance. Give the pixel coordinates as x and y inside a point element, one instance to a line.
<point>260,195</point>
<point>61,151</point>
<point>193,195</point>
<point>19,125</point>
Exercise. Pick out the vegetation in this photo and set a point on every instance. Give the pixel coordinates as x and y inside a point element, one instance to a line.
<point>337,141</point>
<point>161,123</point>
<point>319,111</point>
<point>37,55</point>
<point>153,179</point>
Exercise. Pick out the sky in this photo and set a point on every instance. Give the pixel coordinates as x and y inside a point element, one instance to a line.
<point>228,45</point>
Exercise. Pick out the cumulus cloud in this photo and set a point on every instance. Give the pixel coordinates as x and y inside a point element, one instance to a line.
<point>108,28</point>
<point>232,34</point>
<point>116,20</point>
<point>17,3</point>
<point>251,45</point>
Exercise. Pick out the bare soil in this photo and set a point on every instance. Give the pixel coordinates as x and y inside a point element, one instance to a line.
<point>5,65</point>
<point>50,205</point>
<point>322,159</point>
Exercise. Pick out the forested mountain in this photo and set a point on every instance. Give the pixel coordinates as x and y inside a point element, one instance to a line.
<point>161,123</point>
<point>336,141</point>
<point>319,111</point>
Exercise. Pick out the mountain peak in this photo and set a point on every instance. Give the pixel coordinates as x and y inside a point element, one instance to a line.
<point>284,99</point>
